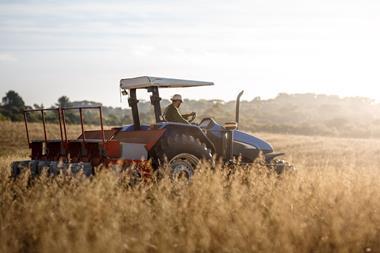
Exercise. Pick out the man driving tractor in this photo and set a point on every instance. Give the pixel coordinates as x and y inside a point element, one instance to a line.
<point>173,114</point>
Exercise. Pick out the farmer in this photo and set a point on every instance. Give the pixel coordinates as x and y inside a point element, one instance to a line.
<point>172,113</point>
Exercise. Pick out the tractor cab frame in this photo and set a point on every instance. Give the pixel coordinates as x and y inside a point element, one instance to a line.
<point>152,85</point>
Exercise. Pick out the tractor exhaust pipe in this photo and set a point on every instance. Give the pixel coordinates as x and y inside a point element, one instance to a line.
<point>237,112</point>
<point>230,127</point>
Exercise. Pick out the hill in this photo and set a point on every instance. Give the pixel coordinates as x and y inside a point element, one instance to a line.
<point>306,114</point>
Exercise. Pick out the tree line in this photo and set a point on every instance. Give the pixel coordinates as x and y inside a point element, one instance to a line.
<point>13,106</point>
<point>307,114</point>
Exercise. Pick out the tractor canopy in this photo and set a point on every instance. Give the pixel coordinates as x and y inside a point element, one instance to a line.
<point>152,84</point>
<point>150,81</point>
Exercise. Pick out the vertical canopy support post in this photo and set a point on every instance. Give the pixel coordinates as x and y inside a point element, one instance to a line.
<point>132,101</point>
<point>155,101</point>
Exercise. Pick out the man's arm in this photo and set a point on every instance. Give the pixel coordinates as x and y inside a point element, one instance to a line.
<point>188,115</point>
<point>179,118</point>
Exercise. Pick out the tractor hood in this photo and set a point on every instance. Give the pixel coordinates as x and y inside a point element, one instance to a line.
<point>253,141</point>
<point>217,130</point>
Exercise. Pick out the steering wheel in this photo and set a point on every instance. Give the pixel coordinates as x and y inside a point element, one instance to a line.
<point>193,116</point>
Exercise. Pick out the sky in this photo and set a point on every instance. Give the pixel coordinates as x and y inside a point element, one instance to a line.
<point>82,49</point>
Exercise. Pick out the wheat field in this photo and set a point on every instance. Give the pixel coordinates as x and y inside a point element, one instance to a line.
<point>331,204</point>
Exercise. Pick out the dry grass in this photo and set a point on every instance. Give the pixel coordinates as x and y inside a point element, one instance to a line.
<point>330,205</point>
<point>13,138</point>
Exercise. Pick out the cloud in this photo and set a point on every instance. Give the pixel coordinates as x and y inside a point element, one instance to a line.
<point>6,57</point>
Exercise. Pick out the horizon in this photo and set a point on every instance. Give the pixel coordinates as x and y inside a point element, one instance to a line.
<point>83,48</point>
<point>124,103</point>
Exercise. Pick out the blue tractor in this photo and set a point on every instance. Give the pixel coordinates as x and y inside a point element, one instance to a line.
<point>182,146</point>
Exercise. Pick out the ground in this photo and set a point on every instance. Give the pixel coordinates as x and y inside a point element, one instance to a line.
<point>331,204</point>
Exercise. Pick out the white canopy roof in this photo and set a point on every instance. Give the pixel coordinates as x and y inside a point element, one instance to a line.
<point>150,81</point>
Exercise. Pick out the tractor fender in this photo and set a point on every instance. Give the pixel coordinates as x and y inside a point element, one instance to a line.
<point>173,128</point>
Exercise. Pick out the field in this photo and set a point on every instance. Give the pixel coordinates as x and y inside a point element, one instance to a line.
<point>331,204</point>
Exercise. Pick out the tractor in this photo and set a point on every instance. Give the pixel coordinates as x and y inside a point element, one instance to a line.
<point>180,146</point>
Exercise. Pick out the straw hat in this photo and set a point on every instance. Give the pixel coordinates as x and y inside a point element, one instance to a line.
<point>176,97</point>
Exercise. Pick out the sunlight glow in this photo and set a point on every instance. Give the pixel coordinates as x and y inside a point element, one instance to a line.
<point>82,49</point>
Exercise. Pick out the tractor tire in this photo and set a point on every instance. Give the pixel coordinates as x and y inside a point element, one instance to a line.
<point>182,153</point>
<point>281,166</point>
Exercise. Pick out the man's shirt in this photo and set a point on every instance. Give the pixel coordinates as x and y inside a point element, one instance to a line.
<point>172,114</point>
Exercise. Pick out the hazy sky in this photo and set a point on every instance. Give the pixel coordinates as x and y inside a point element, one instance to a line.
<point>83,48</point>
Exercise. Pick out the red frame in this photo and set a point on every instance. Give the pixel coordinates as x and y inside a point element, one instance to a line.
<point>111,144</point>
<point>62,122</point>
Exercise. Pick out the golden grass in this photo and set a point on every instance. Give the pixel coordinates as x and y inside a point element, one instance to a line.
<point>330,205</point>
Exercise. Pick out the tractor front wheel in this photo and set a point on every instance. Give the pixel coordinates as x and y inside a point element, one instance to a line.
<point>281,166</point>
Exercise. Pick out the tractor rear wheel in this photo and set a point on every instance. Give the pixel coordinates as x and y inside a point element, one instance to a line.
<point>182,153</point>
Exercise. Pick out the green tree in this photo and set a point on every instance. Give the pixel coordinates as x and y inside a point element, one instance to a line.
<point>71,117</point>
<point>12,106</point>
<point>63,101</point>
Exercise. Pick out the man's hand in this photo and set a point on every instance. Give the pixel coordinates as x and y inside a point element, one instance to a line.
<point>192,114</point>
